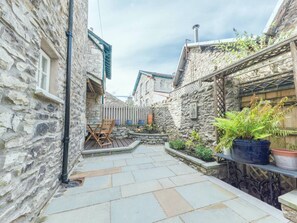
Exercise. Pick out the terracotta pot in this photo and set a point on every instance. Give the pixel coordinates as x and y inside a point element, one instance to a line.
<point>150,119</point>
<point>285,159</point>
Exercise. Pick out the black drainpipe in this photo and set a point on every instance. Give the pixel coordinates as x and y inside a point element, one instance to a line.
<point>64,176</point>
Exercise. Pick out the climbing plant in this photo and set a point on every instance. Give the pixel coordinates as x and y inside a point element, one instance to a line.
<point>246,44</point>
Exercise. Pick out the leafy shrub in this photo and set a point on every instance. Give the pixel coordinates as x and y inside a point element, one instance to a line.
<point>177,144</point>
<point>151,128</point>
<point>260,121</point>
<point>204,153</point>
<point>194,139</point>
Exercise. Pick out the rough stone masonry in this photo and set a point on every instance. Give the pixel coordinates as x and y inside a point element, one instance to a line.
<point>31,123</point>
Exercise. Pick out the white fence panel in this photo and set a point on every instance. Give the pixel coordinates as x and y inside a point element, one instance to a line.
<point>124,113</point>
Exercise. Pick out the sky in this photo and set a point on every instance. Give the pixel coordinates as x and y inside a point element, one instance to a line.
<point>149,34</point>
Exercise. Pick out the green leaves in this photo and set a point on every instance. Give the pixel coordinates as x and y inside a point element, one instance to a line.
<point>260,121</point>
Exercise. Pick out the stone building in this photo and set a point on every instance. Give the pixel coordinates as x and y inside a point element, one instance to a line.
<point>283,19</point>
<point>202,58</point>
<point>98,70</point>
<point>113,100</point>
<point>151,87</point>
<point>33,53</point>
<point>196,60</point>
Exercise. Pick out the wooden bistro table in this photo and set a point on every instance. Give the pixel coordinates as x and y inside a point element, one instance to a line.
<point>267,189</point>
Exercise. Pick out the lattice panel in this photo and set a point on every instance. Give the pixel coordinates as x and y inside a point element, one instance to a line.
<point>219,91</point>
<point>287,183</point>
<point>271,83</point>
<point>219,100</point>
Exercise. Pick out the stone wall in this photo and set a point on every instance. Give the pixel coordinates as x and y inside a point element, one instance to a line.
<point>173,116</point>
<point>149,138</point>
<point>288,21</point>
<point>93,108</point>
<point>94,56</point>
<point>31,125</point>
<point>109,99</point>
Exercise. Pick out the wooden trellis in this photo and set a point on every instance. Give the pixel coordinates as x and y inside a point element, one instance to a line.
<point>219,99</point>
<point>278,80</point>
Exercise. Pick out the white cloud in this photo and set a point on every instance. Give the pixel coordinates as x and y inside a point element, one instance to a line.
<point>149,35</point>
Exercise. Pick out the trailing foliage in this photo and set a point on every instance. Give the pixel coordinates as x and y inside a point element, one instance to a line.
<point>246,44</point>
<point>193,140</point>
<point>260,121</point>
<point>204,153</point>
<point>177,144</point>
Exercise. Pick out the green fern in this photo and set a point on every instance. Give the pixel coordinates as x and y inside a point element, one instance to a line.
<point>260,121</point>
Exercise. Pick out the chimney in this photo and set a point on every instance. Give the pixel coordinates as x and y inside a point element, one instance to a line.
<point>195,29</point>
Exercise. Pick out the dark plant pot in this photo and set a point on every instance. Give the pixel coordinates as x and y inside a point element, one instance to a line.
<point>129,122</point>
<point>251,151</point>
<point>141,122</point>
<point>117,122</point>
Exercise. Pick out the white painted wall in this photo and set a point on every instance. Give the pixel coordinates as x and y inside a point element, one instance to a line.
<point>150,91</point>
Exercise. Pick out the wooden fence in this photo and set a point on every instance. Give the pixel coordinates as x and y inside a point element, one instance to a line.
<point>124,113</point>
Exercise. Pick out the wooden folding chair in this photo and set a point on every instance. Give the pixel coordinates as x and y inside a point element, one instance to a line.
<point>105,131</point>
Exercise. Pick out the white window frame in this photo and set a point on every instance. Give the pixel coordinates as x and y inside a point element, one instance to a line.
<point>162,84</point>
<point>140,91</point>
<point>146,86</point>
<point>40,70</point>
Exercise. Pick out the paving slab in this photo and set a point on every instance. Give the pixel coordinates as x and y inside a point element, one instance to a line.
<point>91,214</point>
<point>140,188</point>
<point>172,202</point>
<point>91,184</point>
<point>119,163</point>
<point>166,183</point>
<point>71,202</point>
<point>187,179</point>
<point>166,163</point>
<point>137,209</point>
<point>120,179</point>
<point>140,160</point>
<point>164,157</point>
<point>95,166</point>
<point>204,193</point>
<point>181,169</point>
<point>214,214</point>
<point>267,219</point>
<point>152,174</point>
<point>245,209</point>
<point>171,220</point>
<point>148,185</point>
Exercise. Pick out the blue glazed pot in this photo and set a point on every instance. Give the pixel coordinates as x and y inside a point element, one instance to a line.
<point>129,122</point>
<point>141,122</point>
<point>117,122</point>
<point>251,151</point>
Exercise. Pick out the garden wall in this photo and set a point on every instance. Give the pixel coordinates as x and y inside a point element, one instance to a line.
<point>31,124</point>
<point>173,116</point>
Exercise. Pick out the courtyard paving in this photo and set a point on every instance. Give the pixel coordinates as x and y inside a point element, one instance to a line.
<point>147,186</point>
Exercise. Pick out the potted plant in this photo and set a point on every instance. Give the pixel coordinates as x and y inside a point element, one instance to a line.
<point>285,155</point>
<point>246,131</point>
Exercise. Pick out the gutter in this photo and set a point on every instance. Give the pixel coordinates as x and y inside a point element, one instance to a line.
<point>103,82</point>
<point>64,176</point>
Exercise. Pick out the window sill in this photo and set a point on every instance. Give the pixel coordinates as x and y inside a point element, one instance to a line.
<point>45,94</point>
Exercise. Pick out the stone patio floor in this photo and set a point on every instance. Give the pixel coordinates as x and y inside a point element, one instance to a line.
<point>149,185</point>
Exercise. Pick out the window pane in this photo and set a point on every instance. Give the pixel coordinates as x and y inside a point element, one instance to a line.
<point>43,81</point>
<point>44,64</point>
